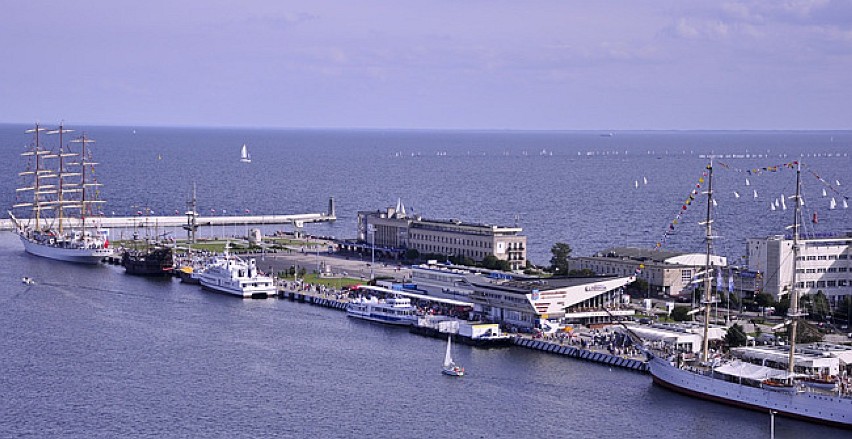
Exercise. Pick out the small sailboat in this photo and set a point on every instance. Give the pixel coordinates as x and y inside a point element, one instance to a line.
<point>736,194</point>
<point>636,184</point>
<point>748,183</point>
<point>833,204</point>
<point>27,280</point>
<point>450,367</point>
<point>645,180</point>
<point>772,207</point>
<point>837,182</point>
<point>845,204</point>
<point>823,192</point>
<point>714,203</point>
<point>783,203</point>
<point>755,193</point>
<point>245,157</point>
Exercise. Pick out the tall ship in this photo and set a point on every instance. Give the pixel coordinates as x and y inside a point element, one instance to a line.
<point>60,193</point>
<point>231,275</point>
<point>796,392</point>
<point>154,261</point>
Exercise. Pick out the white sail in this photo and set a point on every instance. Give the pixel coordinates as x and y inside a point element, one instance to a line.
<point>772,206</point>
<point>645,180</point>
<point>823,192</point>
<point>636,184</point>
<point>448,358</point>
<point>833,204</point>
<point>748,183</point>
<point>755,193</point>
<point>736,194</point>
<point>845,204</point>
<point>245,157</point>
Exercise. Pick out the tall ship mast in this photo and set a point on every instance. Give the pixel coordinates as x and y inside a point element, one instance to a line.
<point>811,395</point>
<point>55,226</point>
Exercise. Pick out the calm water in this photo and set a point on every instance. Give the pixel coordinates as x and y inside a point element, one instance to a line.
<point>91,352</point>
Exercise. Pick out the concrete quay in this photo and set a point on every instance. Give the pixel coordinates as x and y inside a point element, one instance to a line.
<point>594,355</point>
<point>180,220</point>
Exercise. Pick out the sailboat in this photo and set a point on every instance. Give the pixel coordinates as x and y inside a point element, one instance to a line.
<point>824,193</point>
<point>57,187</point>
<point>755,193</point>
<point>450,367</point>
<point>245,157</point>
<point>833,204</point>
<point>743,384</point>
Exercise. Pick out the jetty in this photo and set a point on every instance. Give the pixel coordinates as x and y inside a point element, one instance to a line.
<point>297,220</point>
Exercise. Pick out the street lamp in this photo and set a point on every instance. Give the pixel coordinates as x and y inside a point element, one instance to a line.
<point>371,230</point>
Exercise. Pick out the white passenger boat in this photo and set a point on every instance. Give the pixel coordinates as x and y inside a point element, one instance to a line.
<point>231,275</point>
<point>393,310</point>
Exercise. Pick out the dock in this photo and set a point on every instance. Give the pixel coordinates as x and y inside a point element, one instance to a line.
<point>201,221</point>
<point>593,355</point>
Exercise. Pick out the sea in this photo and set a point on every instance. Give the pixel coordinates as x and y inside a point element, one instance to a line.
<point>92,352</point>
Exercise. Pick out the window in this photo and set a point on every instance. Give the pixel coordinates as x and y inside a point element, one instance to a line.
<point>831,283</point>
<point>809,284</point>
<point>820,270</point>
<point>822,258</point>
<point>820,284</point>
<point>686,275</point>
<point>832,270</point>
<point>811,258</point>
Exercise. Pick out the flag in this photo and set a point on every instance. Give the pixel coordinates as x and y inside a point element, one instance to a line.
<point>719,280</point>
<point>731,282</point>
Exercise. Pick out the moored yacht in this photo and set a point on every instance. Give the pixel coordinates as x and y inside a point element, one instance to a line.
<point>231,275</point>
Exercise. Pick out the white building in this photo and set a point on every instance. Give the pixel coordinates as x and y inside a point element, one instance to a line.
<point>667,273</point>
<point>824,264</point>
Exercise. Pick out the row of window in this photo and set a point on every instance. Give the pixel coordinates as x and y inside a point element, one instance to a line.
<point>823,270</point>
<point>823,257</point>
<point>444,239</point>
<point>839,283</point>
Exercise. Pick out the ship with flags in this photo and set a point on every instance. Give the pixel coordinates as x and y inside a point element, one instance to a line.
<point>60,197</point>
<point>802,389</point>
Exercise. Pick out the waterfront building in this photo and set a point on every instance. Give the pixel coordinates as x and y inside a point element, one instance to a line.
<point>544,303</point>
<point>394,231</point>
<point>667,273</point>
<point>824,264</point>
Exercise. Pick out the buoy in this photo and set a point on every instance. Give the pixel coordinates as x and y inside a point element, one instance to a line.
<point>815,219</point>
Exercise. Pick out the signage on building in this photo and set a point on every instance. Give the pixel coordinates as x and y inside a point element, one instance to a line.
<point>596,287</point>
<point>535,295</point>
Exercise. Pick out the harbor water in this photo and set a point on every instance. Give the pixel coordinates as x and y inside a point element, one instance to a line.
<point>92,352</point>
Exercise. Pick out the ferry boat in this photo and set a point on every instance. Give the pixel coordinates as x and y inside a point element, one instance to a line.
<point>231,275</point>
<point>392,310</point>
<point>744,384</point>
<point>59,183</point>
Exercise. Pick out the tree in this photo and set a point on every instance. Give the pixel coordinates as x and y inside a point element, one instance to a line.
<point>680,313</point>
<point>765,299</point>
<point>638,286</point>
<point>490,262</point>
<point>736,336</point>
<point>412,254</point>
<point>819,306</point>
<point>805,333</point>
<point>581,273</point>
<point>559,262</point>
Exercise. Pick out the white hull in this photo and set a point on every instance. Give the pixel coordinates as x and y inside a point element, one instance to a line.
<point>816,407</point>
<point>77,255</point>
<point>232,287</point>
<point>381,318</point>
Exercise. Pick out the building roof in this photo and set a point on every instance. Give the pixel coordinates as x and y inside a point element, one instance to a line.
<point>527,286</point>
<point>651,256</point>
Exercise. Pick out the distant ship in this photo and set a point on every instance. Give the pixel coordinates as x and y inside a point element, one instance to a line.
<point>60,180</point>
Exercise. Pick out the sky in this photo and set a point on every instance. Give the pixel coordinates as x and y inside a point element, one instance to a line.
<point>438,64</point>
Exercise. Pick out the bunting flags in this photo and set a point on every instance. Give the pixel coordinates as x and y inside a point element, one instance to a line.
<point>682,211</point>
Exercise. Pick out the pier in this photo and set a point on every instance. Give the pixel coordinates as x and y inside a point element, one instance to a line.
<point>591,354</point>
<point>297,220</point>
